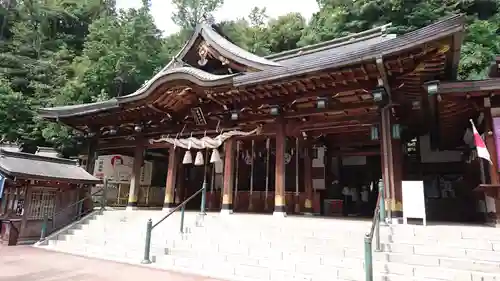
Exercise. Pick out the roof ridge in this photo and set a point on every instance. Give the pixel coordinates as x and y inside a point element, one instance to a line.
<point>24,155</point>
<point>369,33</point>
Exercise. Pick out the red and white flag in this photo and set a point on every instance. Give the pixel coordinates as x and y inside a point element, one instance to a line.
<point>482,151</point>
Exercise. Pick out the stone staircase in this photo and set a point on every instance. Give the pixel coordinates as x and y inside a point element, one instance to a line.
<point>261,247</point>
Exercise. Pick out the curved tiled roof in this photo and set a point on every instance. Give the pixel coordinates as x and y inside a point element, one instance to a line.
<point>71,110</point>
<point>230,50</point>
<point>194,75</point>
<point>374,33</point>
<point>339,52</point>
<point>225,48</point>
<point>347,54</point>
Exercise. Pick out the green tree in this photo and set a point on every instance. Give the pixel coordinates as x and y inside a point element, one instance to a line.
<point>17,115</point>
<point>121,52</point>
<point>189,13</point>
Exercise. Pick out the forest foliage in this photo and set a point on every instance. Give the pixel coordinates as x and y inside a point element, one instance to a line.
<point>60,52</point>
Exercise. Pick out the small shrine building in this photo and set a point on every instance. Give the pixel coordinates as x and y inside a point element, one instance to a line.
<point>305,123</point>
<point>38,187</point>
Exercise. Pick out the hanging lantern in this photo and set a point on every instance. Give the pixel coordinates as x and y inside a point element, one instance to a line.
<point>215,157</point>
<point>374,133</point>
<point>198,161</point>
<point>396,131</point>
<point>188,158</point>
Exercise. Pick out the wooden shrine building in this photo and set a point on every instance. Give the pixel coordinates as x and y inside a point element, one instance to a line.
<point>348,112</point>
<point>34,186</point>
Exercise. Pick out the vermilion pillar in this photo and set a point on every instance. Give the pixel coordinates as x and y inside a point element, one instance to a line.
<point>173,166</point>
<point>227,189</point>
<point>135,179</point>
<point>279,197</point>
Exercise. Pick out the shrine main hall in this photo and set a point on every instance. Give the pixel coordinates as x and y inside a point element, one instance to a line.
<point>289,133</point>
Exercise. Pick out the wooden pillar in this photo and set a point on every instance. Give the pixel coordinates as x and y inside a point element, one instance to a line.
<point>308,181</point>
<point>494,179</point>
<point>386,157</point>
<point>135,179</point>
<point>397,170</point>
<point>392,167</point>
<point>279,196</point>
<point>91,155</point>
<point>490,136</point>
<point>227,188</point>
<point>180,186</point>
<point>173,165</point>
<point>27,202</point>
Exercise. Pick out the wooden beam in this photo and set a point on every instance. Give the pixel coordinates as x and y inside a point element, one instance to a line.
<point>169,128</point>
<point>306,93</point>
<point>383,74</point>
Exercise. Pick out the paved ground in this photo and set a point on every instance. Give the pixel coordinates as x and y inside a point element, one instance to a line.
<point>24,263</point>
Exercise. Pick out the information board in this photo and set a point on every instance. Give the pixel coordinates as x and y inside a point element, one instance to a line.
<point>413,201</point>
<point>118,169</point>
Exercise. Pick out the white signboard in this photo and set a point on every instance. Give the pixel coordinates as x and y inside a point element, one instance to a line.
<point>413,201</point>
<point>118,169</point>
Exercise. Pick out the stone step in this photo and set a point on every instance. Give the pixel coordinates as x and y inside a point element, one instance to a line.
<point>255,247</point>
<point>133,253</point>
<point>455,248</point>
<point>475,263</point>
<point>123,244</point>
<point>264,269</point>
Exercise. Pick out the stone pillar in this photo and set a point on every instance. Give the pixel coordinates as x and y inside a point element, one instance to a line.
<point>308,182</point>
<point>173,165</point>
<point>227,188</point>
<point>135,179</point>
<point>279,197</point>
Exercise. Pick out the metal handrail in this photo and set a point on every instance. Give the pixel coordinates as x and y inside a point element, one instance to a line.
<point>150,226</point>
<point>46,218</point>
<point>378,216</point>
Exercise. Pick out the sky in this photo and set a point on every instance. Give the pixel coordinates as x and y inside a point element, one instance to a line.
<point>232,9</point>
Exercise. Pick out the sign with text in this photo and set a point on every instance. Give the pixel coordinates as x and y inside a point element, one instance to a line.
<point>413,201</point>
<point>118,169</point>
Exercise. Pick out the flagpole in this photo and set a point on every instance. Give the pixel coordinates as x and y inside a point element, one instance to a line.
<point>481,168</point>
<point>481,157</point>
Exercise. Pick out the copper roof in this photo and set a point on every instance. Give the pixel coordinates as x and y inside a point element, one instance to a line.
<point>37,167</point>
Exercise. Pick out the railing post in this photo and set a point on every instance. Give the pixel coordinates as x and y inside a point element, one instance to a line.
<point>45,223</point>
<point>104,189</point>
<point>147,244</point>
<point>381,201</point>
<point>203,198</point>
<point>377,237</point>
<point>368,258</point>
<point>182,217</point>
<point>80,209</point>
